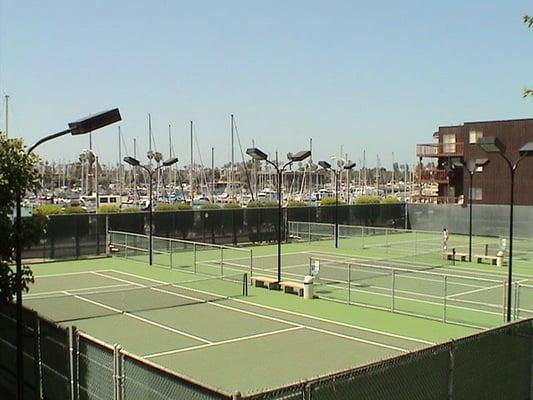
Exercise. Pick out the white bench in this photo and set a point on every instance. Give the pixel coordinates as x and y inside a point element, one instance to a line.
<point>263,281</point>
<point>458,256</point>
<point>292,287</point>
<point>494,260</point>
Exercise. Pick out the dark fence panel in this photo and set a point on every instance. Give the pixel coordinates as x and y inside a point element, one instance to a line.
<point>84,235</point>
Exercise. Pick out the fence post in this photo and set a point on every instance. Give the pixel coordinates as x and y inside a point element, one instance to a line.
<point>37,356</point>
<point>251,264</point>
<point>71,331</point>
<point>451,366</point>
<point>444,302</point>
<point>107,239</point>
<point>118,375</point>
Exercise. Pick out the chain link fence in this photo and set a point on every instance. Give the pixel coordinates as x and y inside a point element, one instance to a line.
<point>69,364</point>
<point>83,235</point>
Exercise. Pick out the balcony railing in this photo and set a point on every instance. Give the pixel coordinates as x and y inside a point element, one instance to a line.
<point>432,175</point>
<point>439,150</point>
<point>434,199</point>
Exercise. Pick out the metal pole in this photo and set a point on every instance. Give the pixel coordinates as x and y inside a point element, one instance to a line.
<point>510,278</point>
<point>19,330</point>
<point>336,173</point>
<point>150,175</point>
<point>279,222</point>
<point>470,219</point>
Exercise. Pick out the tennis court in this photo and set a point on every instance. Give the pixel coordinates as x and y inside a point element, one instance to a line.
<point>423,284</point>
<point>206,328</point>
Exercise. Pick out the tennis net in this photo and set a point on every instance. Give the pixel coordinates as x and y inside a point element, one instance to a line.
<point>133,297</point>
<point>462,299</point>
<point>184,255</point>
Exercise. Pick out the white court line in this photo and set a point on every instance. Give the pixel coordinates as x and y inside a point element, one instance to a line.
<point>69,273</point>
<point>288,322</point>
<point>304,316</point>
<point>147,321</point>
<point>239,339</point>
<point>51,293</point>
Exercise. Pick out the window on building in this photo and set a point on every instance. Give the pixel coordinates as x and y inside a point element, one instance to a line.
<point>479,168</point>
<point>476,194</point>
<point>474,136</point>
<point>448,141</point>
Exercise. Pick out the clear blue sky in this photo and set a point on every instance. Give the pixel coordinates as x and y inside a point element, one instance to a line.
<point>374,75</point>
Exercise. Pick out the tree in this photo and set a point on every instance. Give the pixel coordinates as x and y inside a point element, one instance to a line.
<point>528,20</point>
<point>18,174</point>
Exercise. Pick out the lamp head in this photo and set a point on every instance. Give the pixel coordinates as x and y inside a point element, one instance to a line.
<point>324,164</point>
<point>256,154</point>
<point>94,122</point>
<point>491,144</point>
<point>132,161</point>
<point>349,166</point>
<point>170,161</point>
<point>526,150</point>
<point>300,156</point>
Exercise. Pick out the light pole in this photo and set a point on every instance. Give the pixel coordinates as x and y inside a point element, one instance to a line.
<point>95,158</point>
<point>257,154</point>
<point>471,166</point>
<point>336,172</point>
<point>80,127</point>
<point>151,171</point>
<point>491,145</point>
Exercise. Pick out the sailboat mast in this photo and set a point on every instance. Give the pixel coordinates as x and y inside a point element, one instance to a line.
<point>191,168</point>
<point>232,176</point>
<point>212,174</point>
<point>150,139</point>
<point>7,116</point>
<point>119,180</point>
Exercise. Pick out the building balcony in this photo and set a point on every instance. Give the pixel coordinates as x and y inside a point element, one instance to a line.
<point>440,150</point>
<point>432,175</point>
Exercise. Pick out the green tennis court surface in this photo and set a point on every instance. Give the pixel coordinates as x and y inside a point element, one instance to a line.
<point>207,330</point>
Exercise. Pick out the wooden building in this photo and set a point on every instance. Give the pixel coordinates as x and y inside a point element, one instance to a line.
<point>491,183</point>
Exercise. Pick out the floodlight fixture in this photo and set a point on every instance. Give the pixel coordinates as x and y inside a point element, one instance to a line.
<point>300,156</point>
<point>526,150</point>
<point>256,154</point>
<point>94,122</point>
<point>349,166</point>
<point>170,161</point>
<point>491,144</point>
<point>132,161</point>
<point>324,164</point>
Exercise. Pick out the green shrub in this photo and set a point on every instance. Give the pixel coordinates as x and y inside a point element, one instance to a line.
<point>329,201</point>
<point>367,199</point>
<point>172,207</point>
<point>270,203</point>
<point>130,209</point>
<point>48,209</point>
<point>255,204</point>
<point>210,206</point>
<point>74,210</point>
<point>108,209</point>
<point>296,204</point>
<point>390,200</point>
<point>232,205</point>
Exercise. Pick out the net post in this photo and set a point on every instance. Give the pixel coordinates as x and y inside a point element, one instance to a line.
<point>125,246</point>
<point>362,237</point>
<point>349,283</point>
<point>386,237</point>
<point>222,261</point>
<point>309,232</point>
<point>505,283</point>
<point>194,256</point>
<point>453,256</point>
<point>251,263</point>
<point>486,249</point>
<point>393,289</point>
<point>71,331</point>
<point>516,301</point>
<point>245,284</point>
<point>170,252</point>
<point>444,300</point>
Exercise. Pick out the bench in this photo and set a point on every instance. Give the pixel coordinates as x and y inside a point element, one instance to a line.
<point>493,259</point>
<point>263,281</point>
<point>292,287</point>
<point>458,256</point>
